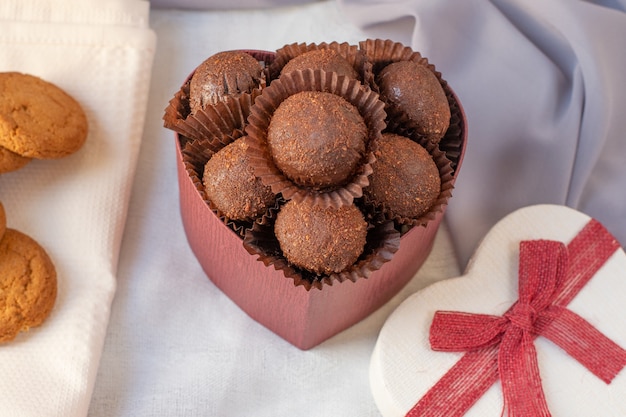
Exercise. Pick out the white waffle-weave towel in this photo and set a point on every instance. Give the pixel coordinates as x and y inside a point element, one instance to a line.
<point>101,53</point>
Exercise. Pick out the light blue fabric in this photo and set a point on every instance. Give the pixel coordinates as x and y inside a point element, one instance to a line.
<point>223,4</point>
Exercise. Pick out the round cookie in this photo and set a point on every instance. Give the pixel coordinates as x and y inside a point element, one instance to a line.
<point>39,119</point>
<point>327,60</point>
<point>28,284</point>
<point>413,90</point>
<point>10,161</point>
<point>222,75</point>
<point>405,178</point>
<point>231,186</point>
<point>318,239</point>
<point>317,139</point>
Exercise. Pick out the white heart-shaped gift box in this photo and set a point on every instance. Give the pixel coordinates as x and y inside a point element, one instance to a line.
<point>404,368</point>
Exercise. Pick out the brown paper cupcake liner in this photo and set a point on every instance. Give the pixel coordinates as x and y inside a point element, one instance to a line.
<point>383,241</point>
<point>362,97</point>
<point>453,142</point>
<point>379,212</point>
<point>382,53</point>
<point>351,53</point>
<point>177,110</point>
<point>195,156</point>
<point>226,118</point>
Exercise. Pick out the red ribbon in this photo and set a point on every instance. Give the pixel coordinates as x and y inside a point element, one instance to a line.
<point>550,276</point>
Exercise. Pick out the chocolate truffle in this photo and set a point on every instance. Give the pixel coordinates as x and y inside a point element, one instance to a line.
<point>414,90</point>
<point>231,186</point>
<point>317,139</point>
<point>405,179</point>
<point>320,240</point>
<point>225,74</point>
<point>327,60</point>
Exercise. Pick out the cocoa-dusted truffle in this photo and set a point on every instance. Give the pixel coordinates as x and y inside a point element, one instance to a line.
<point>231,186</point>
<point>405,179</point>
<point>317,139</point>
<point>320,240</point>
<point>327,60</point>
<point>225,74</point>
<point>414,90</point>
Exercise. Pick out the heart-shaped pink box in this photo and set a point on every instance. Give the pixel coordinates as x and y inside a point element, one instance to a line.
<point>303,317</point>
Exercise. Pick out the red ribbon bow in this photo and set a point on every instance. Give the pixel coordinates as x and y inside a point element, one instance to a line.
<point>550,276</point>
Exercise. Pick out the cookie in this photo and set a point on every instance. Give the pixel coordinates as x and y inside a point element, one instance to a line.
<point>28,284</point>
<point>3,221</point>
<point>39,119</point>
<point>10,161</point>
